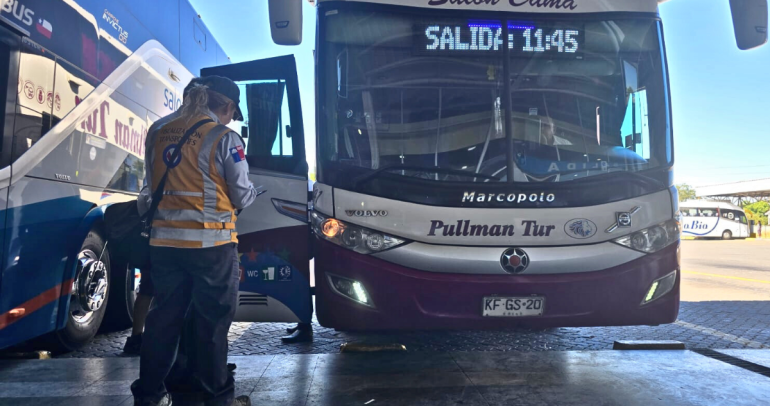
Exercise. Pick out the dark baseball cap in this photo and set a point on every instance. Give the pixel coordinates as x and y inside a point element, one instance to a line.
<point>227,88</point>
<point>193,82</point>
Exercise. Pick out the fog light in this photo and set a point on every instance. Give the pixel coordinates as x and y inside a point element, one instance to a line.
<point>351,289</point>
<point>660,287</point>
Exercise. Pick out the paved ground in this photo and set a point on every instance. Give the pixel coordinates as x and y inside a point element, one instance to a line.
<point>726,304</point>
<point>628,378</point>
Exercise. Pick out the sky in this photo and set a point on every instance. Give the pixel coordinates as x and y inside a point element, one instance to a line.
<point>719,94</point>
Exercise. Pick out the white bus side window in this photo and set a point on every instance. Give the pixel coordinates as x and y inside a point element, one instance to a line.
<point>708,212</point>
<point>687,212</point>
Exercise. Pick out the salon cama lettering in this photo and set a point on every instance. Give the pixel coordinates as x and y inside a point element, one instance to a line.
<point>555,4</point>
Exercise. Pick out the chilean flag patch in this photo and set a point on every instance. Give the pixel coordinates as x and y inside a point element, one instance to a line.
<point>44,27</point>
<point>237,153</point>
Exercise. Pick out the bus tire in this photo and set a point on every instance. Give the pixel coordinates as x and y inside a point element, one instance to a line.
<point>727,235</point>
<point>90,293</point>
<point>120,312</point>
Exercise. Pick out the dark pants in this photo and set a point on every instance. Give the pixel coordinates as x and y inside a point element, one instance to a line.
<point>207,279</point>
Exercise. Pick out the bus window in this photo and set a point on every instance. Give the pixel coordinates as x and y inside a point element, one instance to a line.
<point>743,219</point>
<point>689,212</point>
<point>71,87</point>
<point>267,117</point>
<point>708,213</point>
<point>36,100</point>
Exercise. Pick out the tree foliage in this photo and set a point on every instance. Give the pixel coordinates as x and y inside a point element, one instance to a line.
<point>686,192</point>
<point>757,211</point>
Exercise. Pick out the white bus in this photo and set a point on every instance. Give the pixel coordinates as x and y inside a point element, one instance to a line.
<point>481,164</point>
<point>710,219</point>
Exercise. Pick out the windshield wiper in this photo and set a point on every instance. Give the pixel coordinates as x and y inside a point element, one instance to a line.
<point>369,176</point>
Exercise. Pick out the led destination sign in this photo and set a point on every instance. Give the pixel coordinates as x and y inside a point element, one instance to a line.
<point>479,37</point>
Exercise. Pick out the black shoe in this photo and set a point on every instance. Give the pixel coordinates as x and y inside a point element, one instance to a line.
<point>292,329</point>
<point>164,401</point>
<point>133,345</point>
<point>231,367</point>
<point>241,401</point>
<point>301,335</point>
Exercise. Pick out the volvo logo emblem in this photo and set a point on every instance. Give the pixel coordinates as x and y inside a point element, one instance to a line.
<point>514,260</point>
<point>623,219</point>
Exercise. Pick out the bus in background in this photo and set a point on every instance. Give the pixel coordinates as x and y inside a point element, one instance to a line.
<point>481,164</point>
<point>713,219</point>
<point>83,80</point>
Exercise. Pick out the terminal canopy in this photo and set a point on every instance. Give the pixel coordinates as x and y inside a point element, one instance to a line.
<point>756,189</point>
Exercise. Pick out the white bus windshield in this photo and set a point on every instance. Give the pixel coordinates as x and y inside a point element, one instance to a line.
<point>422,96</point>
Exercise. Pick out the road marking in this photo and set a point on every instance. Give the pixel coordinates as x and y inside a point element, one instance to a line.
<point>726,277</point>
<point>723,336</point>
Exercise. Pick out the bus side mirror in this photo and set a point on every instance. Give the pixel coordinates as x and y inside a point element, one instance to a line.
<point>286,21</point>
<point>749,22</point>
<point>244,132</point>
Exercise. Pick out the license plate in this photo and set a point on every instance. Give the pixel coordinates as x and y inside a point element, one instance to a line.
<point>513,306</point>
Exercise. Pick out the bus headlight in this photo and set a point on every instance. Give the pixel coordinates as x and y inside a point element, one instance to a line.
<point>351,236</point>
<point>652,239</point>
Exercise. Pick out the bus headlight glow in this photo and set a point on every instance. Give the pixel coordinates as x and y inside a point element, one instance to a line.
<point>330,228</point>
<point>660,287</point>
<point>652,239</point>
<point>351,236</point>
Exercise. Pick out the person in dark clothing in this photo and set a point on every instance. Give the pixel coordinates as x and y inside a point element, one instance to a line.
<point>193,243</point>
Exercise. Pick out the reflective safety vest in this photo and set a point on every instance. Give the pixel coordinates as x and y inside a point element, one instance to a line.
<point>195,211</point>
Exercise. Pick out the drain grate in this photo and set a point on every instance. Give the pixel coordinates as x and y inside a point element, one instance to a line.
<point>729,359</point>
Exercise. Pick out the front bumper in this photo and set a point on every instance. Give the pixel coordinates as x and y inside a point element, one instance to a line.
<point>406,298</point>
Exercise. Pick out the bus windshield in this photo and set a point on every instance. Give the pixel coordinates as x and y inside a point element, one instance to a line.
<point>423,96</point>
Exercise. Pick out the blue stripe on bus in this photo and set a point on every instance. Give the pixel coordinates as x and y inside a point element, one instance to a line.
<point>39,242</point>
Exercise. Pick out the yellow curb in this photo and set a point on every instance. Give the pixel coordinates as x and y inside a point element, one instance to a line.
<point>726,277</point>
<point>361,347</point>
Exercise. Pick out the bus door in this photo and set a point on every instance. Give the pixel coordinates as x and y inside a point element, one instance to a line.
<point>273,232</point>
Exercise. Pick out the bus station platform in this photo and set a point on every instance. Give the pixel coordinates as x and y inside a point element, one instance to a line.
<point>637,377</point>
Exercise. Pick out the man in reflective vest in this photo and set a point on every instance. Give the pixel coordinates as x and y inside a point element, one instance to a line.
<point>146,289</point>
<point>194,243</point>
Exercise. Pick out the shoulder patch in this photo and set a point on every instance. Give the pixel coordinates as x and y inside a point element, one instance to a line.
<point>237,153</point>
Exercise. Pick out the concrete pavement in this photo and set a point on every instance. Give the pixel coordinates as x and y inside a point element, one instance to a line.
<point>625,378</point>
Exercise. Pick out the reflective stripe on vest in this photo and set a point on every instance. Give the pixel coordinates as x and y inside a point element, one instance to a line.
<point>195,211</point>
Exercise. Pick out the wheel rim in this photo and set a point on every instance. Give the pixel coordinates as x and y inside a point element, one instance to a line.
<point>89,289</point>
